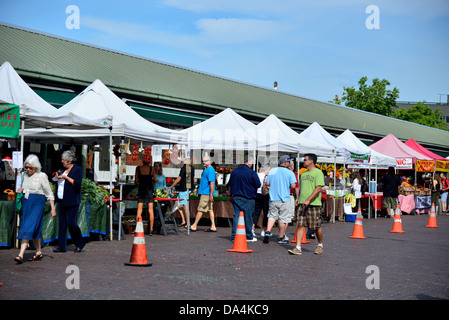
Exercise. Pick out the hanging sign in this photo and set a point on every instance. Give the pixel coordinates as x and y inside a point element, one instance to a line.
<point>442,165</point>
<point>358,158</point>
<point>9,120</point>
<point>404,163</point>
<point>425,165</point>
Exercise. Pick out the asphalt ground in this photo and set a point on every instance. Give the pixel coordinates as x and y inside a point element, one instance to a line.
<point>386,266</point>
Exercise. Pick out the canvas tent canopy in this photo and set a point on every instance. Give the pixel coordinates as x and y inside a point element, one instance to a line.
<point>393,147</point>
<point>343,151</point>
<point>275,135</point>
<point>417,147</point>
<point>226,130</point>
<point>33,109</point>
<point>97,102</point>
<point>376,159</point>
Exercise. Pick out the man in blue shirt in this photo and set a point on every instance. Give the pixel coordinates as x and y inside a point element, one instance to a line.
<point>280,180</point>
<point>206,193</point>
<point>243,184</point>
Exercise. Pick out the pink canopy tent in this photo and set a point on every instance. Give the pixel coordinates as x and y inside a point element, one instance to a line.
<point>417,147</point>
<point>393,147</point>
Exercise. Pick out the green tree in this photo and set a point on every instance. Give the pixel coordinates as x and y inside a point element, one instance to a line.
<point>375,98</point>
<point>422,114</point>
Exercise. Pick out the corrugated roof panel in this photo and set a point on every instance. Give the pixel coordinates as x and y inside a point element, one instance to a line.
<point>71,61</point>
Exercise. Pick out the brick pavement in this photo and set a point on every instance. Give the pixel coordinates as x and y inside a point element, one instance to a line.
<point>412,266</point>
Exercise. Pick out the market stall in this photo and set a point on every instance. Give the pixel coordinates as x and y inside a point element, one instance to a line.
<point>376,161</point>
<point>34,112</point>
<point>345,154</point>
<point>406,159</point>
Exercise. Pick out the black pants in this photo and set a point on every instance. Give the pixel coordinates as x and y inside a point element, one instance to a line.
<point>68,217</point>
<point>261,203</point>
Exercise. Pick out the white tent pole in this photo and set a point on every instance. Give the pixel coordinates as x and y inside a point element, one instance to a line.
<point>110,183</point>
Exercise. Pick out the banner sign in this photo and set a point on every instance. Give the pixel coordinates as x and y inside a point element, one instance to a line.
<point>425,165</point>
<point>358,158</point>
<point>9,120</point>
<point>442,165</point>
<point>404,163</point>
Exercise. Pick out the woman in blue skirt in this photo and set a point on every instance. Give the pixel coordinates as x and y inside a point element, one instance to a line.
<point>36,190</point>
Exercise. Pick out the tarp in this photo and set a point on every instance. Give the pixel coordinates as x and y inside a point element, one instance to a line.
<point>417,147</point>
<point>393,147</point>
<point>225,131</point>
<point>98,102</point>
<point>9,120</point>
<point>317,133</point>
<point>376,158</point>
<point>33,109</point>
<point>275,135</point>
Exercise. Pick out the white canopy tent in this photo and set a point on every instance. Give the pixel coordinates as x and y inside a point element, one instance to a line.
<point>35,110</point>
<point>224,131</point>
<point>317,133</point>
<point>376,159</point>
<point>96,102</point>
<point>275,135</point>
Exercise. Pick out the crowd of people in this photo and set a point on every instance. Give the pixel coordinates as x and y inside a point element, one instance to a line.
<point>276,192</point>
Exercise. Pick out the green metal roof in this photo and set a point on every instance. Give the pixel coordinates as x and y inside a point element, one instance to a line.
<point>48,57</point>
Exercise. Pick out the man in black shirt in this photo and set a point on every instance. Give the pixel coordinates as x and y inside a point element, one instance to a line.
<point>181,186</point>
<point>391,182</point>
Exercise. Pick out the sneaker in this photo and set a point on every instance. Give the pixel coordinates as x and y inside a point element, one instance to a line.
<point>295,251</point>
<point>254,239</point>
<point>262,234</point>
<point>318,250</point>
<point>254,233</point>
<point>266,237</point>
<point>286,238</point>
<point>282,240</point>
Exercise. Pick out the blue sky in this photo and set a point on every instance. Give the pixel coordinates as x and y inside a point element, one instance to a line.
<point>312,48</point>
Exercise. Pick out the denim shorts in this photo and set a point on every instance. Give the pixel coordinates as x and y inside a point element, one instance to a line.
<point>444,197</point>
<point>183,195</point>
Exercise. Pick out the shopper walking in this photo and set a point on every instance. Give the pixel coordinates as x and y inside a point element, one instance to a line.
<point>309,212</point>
<point>144,179</point>
<point>68,196</point>
<point>36,190</point>
<point>391,182</point>
<point>243,185</point>
<point>206,193</point>
<point>279,181</point>
<point>183,193</point>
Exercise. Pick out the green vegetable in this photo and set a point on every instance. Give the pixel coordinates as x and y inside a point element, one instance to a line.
<point>160,193</point>
<point>92,193</point>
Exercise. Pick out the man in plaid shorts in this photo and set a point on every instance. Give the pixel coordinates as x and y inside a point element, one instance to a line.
<point>309,211</point>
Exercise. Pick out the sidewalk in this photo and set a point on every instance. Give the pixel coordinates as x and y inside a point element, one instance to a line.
<point>411,266</point>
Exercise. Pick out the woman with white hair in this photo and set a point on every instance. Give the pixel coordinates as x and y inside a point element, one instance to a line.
<point>36,190</point>
<point>68,196</point>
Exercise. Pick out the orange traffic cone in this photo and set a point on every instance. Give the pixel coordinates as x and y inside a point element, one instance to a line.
<point>397,224</point>
<point>432,218</point>
<point>240,244</point>
<point>357,233</point>
<point>139,252</point>
<point>304,239</point>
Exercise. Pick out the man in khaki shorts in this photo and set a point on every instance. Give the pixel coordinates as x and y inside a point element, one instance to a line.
<point>206,193</point>
<point>309,212</point>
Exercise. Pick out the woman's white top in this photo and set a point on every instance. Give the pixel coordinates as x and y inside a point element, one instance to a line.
<point>357,188</point>
<point>61,183</point>
<point>37,184</point>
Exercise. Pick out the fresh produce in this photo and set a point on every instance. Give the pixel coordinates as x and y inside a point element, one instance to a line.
<point>160,193</point>
<point>92,193</point>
